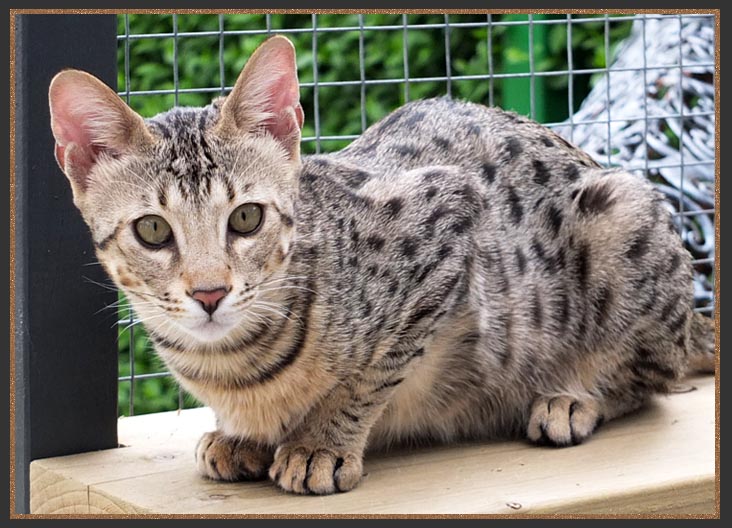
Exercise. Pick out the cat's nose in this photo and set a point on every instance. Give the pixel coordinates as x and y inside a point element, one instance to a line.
<point>209,299</point>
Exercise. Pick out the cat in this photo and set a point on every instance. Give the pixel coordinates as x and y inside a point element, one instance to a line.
<point>457,272</point>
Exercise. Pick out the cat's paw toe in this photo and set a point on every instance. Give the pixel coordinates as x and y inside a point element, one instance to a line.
<point>562,420</point>
<point>221,457</point>
<point>299,469</point>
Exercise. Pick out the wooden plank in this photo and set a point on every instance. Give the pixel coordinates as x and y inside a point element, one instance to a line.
<point>659,460</point>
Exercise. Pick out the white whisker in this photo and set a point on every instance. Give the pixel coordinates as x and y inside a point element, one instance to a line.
<point>295,277</point>
<point>274,310</point>
<point>120,306</point>
<point>260,318</point>
<point>110,287</point>
<point>285,287</point>
<point>143,321</point>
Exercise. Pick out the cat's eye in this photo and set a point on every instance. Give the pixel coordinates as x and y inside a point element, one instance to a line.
<point>153,230</point>
<point>246,219</point>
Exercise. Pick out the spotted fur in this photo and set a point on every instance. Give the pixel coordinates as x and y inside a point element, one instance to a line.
<point>456,272</point>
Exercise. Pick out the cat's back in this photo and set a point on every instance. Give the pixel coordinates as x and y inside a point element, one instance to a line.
<point>444,131</point>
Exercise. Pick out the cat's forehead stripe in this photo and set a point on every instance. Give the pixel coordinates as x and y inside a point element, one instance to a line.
<point>187,155</point>
<point>183,119</point>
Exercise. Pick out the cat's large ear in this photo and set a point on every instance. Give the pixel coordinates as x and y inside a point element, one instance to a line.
<point>89,120</point>
<point>267,97</point>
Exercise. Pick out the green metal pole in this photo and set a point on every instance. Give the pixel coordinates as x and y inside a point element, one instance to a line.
<point>549,105</point>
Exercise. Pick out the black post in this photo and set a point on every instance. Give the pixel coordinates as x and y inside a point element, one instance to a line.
<point>65,356</point>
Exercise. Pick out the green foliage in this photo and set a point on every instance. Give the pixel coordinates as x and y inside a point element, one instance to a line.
<point>153,66</point>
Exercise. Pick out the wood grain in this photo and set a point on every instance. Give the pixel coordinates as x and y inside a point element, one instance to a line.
<point>659,460</point>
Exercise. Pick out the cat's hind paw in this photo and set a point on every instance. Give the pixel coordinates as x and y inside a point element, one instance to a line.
<point>221,457</point>
<point>562,420</point>
<point>300,469</point>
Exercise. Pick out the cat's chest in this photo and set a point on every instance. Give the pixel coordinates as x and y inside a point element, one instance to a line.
<point>265,411</point>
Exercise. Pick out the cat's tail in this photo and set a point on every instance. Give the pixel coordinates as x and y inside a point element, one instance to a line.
<point>701,345</point>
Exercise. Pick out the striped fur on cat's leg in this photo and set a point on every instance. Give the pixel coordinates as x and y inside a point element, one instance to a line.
<point>325,454</point>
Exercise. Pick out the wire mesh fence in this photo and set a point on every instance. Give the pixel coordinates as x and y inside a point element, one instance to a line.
<point>635,91</point>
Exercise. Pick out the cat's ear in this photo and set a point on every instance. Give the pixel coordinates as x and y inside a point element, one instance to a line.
<point>266,96</point>
<point>89,120</point>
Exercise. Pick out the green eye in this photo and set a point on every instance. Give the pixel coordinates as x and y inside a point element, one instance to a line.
<point>246,219</point>
<point>153,230</point>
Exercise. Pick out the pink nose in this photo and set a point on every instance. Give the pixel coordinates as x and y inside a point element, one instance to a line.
<point>209,299</point>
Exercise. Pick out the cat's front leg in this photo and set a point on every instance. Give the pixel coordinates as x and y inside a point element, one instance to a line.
<point>308,467</point>
<point>222,457</point>
<point>325,454</point>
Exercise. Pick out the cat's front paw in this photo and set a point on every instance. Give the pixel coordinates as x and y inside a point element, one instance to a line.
<point>300,469</point>
<point>221,457</point>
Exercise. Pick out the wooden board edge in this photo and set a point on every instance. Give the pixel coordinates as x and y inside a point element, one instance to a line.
<point>693,497</point>
<point>54,493</point>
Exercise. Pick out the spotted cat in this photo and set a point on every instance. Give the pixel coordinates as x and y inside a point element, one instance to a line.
<point>456,272</point>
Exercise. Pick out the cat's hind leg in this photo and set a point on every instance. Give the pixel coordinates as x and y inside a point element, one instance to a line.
<point>650,362</point>
<point>607,390</point>
<point>563,420</point>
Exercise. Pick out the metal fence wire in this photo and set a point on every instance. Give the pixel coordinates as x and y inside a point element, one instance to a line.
<point>635,91</point>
